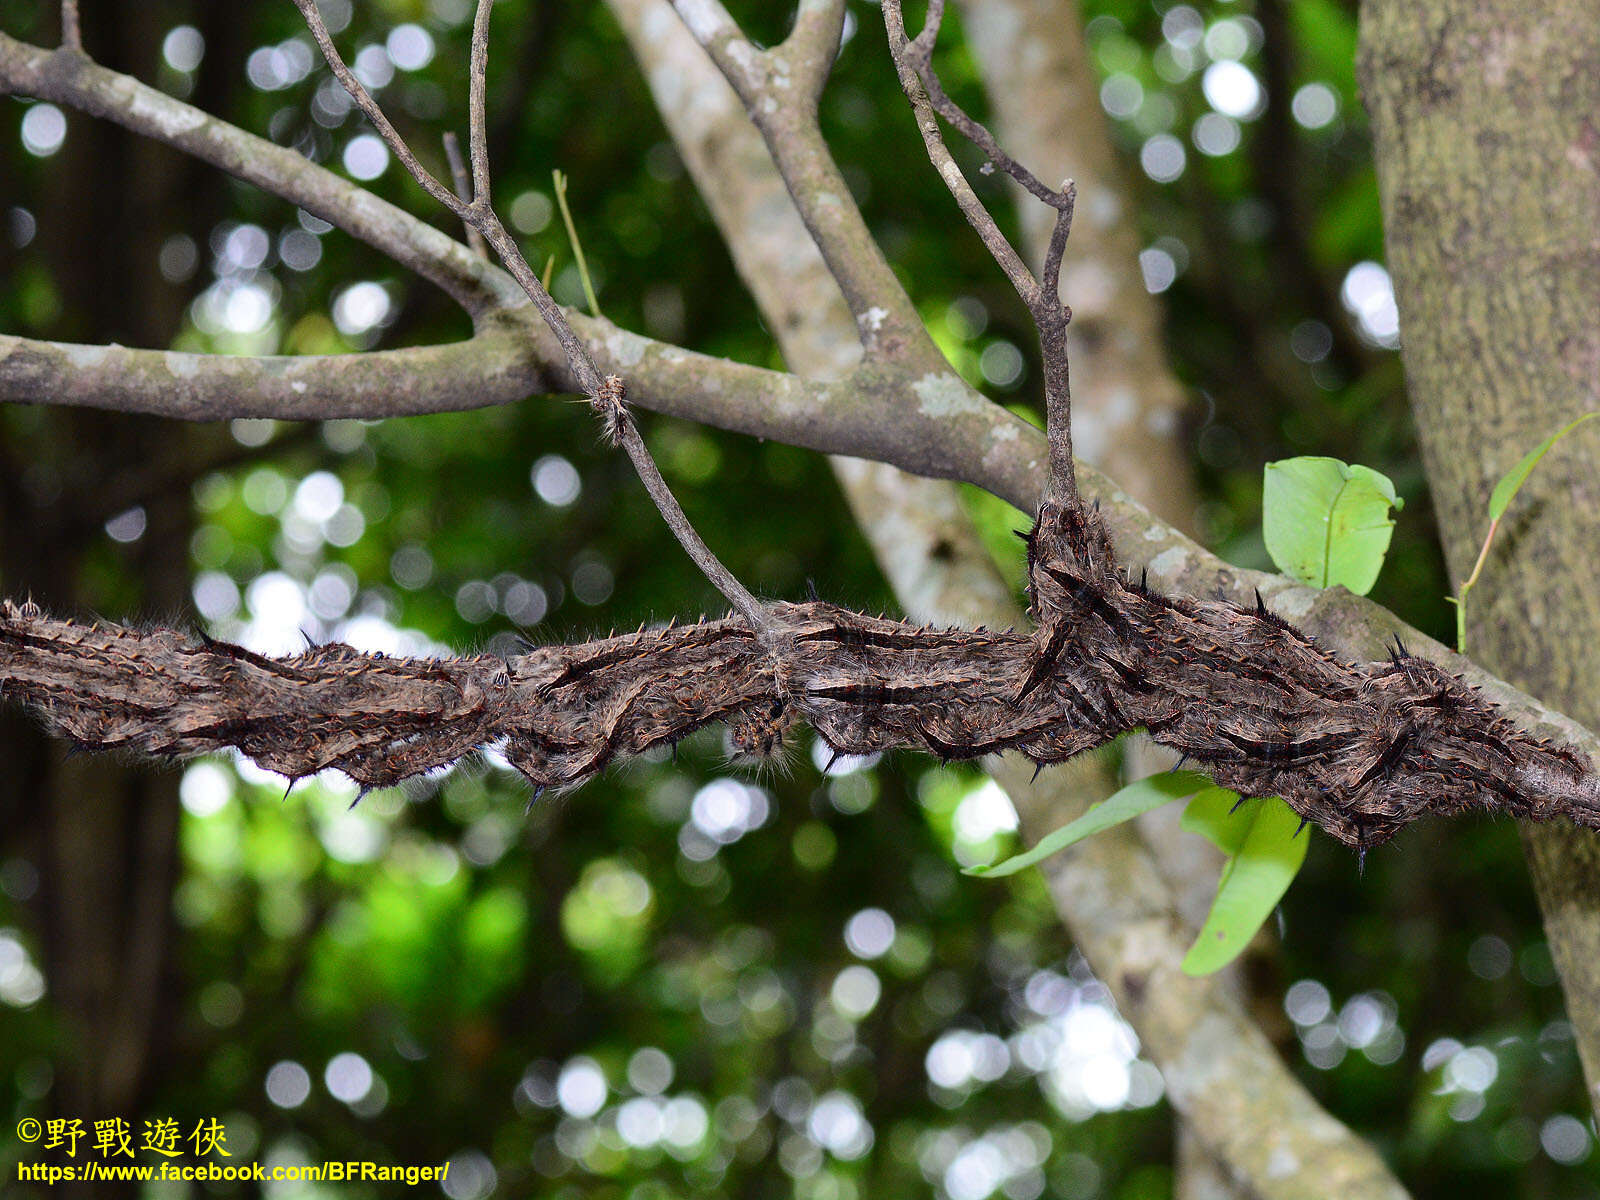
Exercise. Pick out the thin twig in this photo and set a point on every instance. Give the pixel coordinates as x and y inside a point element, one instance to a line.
<point>483,219</point>
<point>605,393</point>
<point>458,174</point>
<point>1057,248</point>
<point>978,216</point>
<point>71,29</point>
<point>369,106</point>
<point>627,435</point>
<point>914,63</point>
<point>919,53</point>
<point>477,86</point>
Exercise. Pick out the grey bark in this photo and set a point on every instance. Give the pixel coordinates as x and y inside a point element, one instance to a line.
<point>1488,149</point>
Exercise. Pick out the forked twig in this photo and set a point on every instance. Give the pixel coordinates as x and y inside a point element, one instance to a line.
<point>913,59</point>
<point>812,45</point>
<point>775,87</point>
<point>606,393</point>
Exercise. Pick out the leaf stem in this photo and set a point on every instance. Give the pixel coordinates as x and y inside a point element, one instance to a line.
<point>1461,596</point>
<point>577,246</point>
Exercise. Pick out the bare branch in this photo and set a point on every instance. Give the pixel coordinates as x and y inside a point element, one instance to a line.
<point>364,101</point>
<point>477,86</point>
<point>71,30</point>
<point>475,213</point>
<point>1360,749</point>
<point>962,436</point>
<point>919,53</point>
<point>914,64</point>
<point>1040,80</point>
<point>813,45</point>
<point>873,415</point>
<point>606,393</point>
<point>463,182</point>
<point>625,433</point>
<point>73,81</point>
<point>983,224</point>
<point>712,25</point>
<point>886,319</point>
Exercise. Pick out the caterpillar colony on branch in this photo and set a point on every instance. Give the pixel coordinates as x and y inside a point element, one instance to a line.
<point>1357,748</point>
<point>1360,749</point>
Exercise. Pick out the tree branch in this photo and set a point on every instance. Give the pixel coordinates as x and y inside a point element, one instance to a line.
<point>1127,410</point>
<point>812,46</point>
<point>72,80</point>
<point>71,27</point>
<point>923,418</point>
<point>930,425</point>
<point>477,86</point>
<point>374,113</point>
<point>886,320</point>
<point>605,393</point>
<point>913,61</point>
<point>1001,462</point>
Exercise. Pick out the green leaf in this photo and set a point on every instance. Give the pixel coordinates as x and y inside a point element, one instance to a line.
<point>1328,522</point>
<point>1252,883</point>
<point>1511,482</point>
<point>1138,797</point>
<point>1212,815</point>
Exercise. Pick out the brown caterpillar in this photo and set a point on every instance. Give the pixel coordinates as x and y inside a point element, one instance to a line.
<point>1360,749</point>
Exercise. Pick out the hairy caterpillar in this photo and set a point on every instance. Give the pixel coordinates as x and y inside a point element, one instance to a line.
<point>1361,749</point>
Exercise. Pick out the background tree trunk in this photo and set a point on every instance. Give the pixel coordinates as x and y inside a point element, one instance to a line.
<point>1488,151</point>
<point>104,830</point>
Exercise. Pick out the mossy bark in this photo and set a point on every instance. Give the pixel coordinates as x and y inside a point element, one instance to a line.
<point>1486,116</point>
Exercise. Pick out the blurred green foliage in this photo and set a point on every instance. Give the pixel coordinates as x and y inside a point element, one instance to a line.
<point>681,979</point>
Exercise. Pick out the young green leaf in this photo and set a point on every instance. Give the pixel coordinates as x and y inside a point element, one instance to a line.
<point>1504,493</point>
<point>1511,482</point>
<point>1138,797</point>
<point>1327,522</point>
<point>1252,883</point>
<point>1216,815</point>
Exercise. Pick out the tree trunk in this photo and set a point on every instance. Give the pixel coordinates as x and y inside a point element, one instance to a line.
<point>1486,115</point>
<point>102,830</point>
